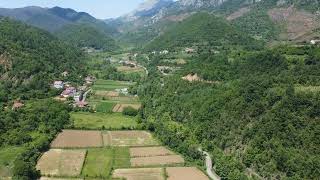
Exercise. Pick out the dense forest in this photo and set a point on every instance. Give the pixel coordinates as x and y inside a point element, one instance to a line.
<point>84,35</point>
<point>31,59</point>
<point>258,112</point>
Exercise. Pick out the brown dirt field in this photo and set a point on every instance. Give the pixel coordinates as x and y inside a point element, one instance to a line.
<point>150,151</point>
<point>128,138</point>
<point>139,174</point>
<point>298,23</point>
<point>238,13</point>
<point>77,139</point>
<point>107,93</point>
<point>185,173</point>
<point>156,160</point>
<point>120,107</point>
<point>58,162</point>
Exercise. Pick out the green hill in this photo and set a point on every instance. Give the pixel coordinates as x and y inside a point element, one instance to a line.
<point>199,30</point>
<point>83,35</point>
<point>30,59</point>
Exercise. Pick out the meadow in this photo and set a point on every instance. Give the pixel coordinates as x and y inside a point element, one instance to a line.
<point>7,156</point>
<point>85,120</point>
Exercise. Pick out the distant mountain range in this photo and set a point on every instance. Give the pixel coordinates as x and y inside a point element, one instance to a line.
<point>62,22</point>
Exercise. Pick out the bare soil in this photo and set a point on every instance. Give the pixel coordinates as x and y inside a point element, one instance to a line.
<point>77,139</point>
<point>139,174</point>
<point>57,162</point>
<point>185,173</point>
<point>150,151</point>
<point>156,160</point>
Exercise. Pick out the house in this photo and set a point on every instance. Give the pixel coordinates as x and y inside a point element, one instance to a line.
<point>65,73</point>
<point>81,104</point>
<point>90,79</point>
<point>189,50</point>
<point>69,92</point>
<point>164,52</point>
<point>314,42</point>
<point>17,105</point>
<point>77,96</point>
<point>58,84</point>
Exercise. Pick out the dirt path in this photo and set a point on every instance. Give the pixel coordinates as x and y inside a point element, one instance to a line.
<point>85,95</point>
<point>210,171</point>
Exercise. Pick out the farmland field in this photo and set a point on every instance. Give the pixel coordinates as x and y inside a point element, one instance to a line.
<point>156,160</point>
<point>7,156</point>
<point>105,107</point>
<point>98,163</point>
<point>150,151</point>
<point>140,174</point>
<point>48,178</point>
<point>57,162</point>
<point>120,107</point>
<point>98,120</point>
<point>185,173</point>
<point>129,138</point>
<point>109,85</point>
<point>77,139</point>
<point>121,157</point>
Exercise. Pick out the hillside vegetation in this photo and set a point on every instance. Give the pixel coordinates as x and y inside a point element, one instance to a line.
<point>83,35</point>
<point>251,116</point>
<point>202,30</point>
<point>31,59</point>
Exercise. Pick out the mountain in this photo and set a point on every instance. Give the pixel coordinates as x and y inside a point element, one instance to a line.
<point>201,30</point>
<point>83,35</point>
<point>30,59</point>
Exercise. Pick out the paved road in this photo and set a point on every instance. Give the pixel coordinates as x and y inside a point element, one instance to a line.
<point>85,95</point>
<point>210,171</point>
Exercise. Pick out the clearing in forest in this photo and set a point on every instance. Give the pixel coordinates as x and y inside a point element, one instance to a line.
<point>77,139</point>
<point>185,173</point>
<point>140,174</point>
<point>150,151</point>
<point>121,107</point>
<point>58,162</point>
<point>129,138</point>
<point>156,160</point>
<point>86,120</point>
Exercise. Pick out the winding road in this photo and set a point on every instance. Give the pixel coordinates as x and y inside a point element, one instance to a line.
<point>210,171</point>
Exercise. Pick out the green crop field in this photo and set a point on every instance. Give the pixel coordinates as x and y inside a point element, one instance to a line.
<point>105,107</point>
<point>109,85</point>
<point>98,120</point>
<point>100,162</point>
<point>7,156</point>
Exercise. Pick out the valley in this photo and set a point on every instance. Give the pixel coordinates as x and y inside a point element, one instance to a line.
<point>173,90</point>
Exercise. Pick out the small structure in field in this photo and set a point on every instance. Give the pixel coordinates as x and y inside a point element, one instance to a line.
<point>90,79</point>
<point>17,105</point>
<point>65,73</point>
<point>77,96</point>
<point>315,42</point>
<point>58,84</point>
<point>164,52</point>
<point>189,50</point>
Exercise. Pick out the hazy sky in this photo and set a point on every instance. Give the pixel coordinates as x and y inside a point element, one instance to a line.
<point>99,8</point>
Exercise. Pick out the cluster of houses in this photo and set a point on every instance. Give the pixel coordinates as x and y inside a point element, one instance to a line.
<point>186,50</point>
<point>77,94</point>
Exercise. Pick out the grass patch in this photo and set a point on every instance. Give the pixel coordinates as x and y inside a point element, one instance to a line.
<point>109,85</point>
<point>98,163</point>
<point>105,107</point>
<point>121,158</point>
<point>98,120</point>
<point>7,157</point>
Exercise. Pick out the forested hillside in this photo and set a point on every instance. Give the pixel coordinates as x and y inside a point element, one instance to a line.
<point>83,35</point>
<point>31,59</point>
<point>259,112</point>
<point>202,30</point>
